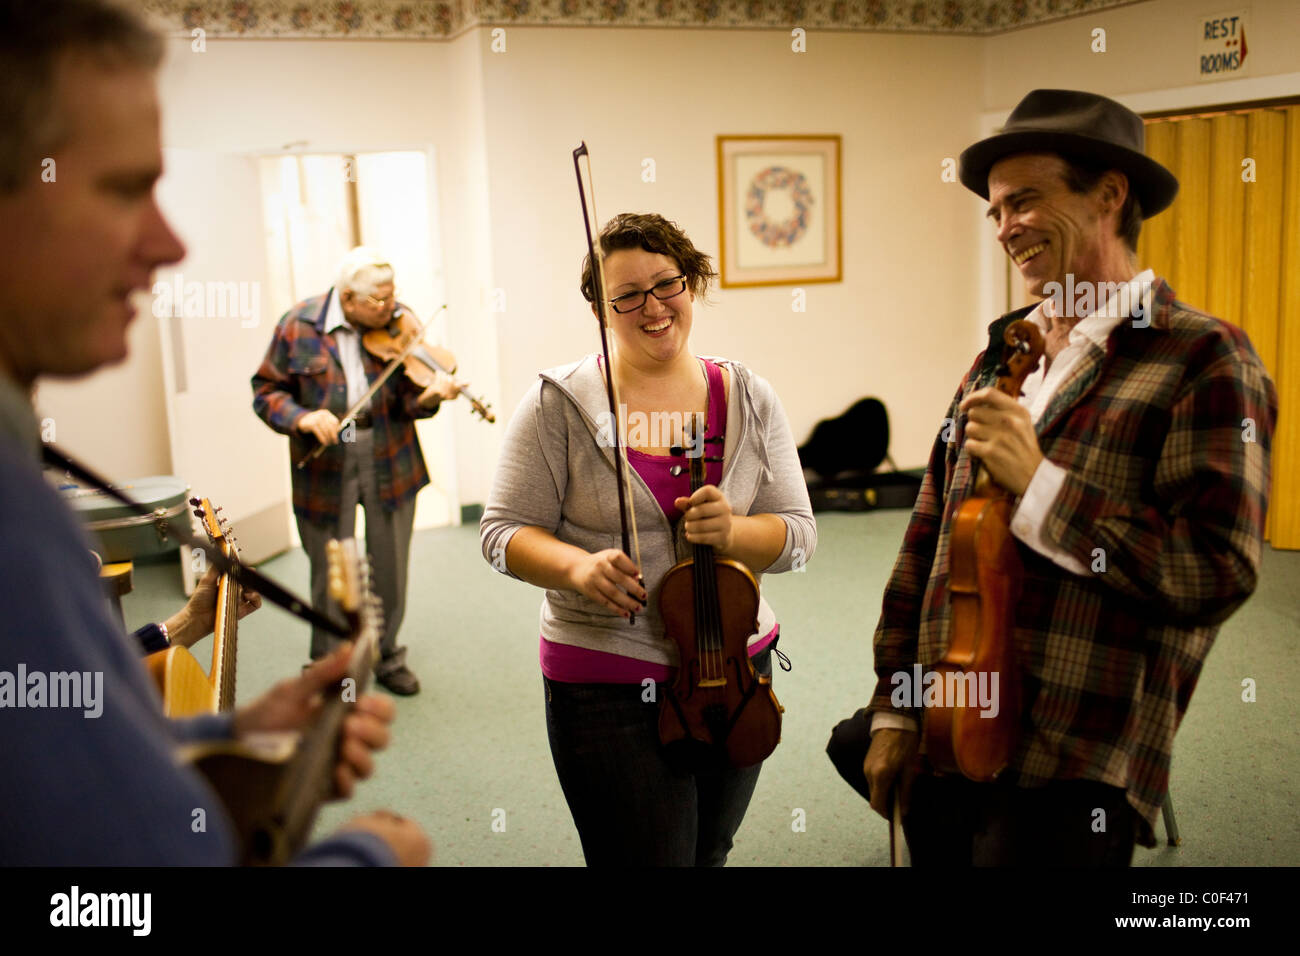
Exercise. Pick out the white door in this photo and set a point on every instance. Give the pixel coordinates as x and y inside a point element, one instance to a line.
<point>216,316</point>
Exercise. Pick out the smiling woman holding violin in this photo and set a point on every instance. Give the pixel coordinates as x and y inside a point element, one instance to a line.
<point>317,380</point>
<point>610,653</point>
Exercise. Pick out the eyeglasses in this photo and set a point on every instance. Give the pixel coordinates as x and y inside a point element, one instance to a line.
<point>663,290</point>
<point>380,303</point>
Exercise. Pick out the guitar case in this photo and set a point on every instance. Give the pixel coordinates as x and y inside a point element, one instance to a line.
<point>841,457</point>
<point>122,535</point>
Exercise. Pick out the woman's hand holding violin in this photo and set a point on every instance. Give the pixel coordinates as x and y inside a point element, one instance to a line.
<point>753,540</point>
<point>707,519</point>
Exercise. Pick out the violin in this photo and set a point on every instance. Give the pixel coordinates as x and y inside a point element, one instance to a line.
<point>399,344</point>
<point>985,579</point>
<point>421,363</point>
<point>718,709</point>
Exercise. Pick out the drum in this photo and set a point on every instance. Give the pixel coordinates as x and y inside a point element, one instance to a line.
<point>122,535</point>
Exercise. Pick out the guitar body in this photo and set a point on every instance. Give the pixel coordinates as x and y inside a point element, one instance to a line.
<point>272,784</point>
<point>251,784</point>
<point>180,679</point>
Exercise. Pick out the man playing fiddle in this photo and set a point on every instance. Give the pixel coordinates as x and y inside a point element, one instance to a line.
<point>314,371</point>
<point>1139,458</point>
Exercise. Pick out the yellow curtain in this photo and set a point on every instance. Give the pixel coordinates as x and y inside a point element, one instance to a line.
<point>1230,245</point>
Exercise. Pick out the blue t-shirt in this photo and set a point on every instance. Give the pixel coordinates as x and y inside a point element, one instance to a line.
<point>89,776</point>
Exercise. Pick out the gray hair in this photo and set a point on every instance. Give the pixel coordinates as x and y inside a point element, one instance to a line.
<point>363,270</point>
<point>33,37</point>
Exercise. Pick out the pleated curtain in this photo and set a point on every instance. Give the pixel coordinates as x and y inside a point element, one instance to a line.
<point>1230,245</point>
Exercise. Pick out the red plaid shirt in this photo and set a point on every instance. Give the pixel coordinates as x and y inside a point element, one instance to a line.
<point>1165,439</point>
<point>301,373</point>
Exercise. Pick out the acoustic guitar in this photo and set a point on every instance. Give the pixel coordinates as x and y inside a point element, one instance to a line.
<point>186,690</point>
<point>273,784</point>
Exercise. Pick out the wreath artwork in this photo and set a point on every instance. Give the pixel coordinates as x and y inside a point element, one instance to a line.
<point>776,234</point>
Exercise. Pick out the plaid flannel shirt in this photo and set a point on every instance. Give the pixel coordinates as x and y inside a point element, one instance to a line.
<point>301,373</point>
<point>1165,439</point>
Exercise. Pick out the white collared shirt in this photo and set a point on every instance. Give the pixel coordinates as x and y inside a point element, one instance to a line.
<point>1039,390</point>
<point>348,341</point>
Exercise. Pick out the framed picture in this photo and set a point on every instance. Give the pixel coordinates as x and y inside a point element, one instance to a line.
<point>779,209</point>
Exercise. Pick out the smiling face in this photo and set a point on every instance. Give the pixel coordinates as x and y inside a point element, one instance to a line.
<point>1046,229</point>
<point>659,331</point>
<point>75,248</point>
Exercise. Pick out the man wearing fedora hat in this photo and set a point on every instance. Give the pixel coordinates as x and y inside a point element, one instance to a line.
<point>1139,458</point>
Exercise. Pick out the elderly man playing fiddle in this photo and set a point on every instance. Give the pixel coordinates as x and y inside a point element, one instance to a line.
<point>1140,502</point>
<point>314,371</point>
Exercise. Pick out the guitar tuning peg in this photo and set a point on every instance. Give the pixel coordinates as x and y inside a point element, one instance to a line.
<point>196,502</point>
<point>676,470</point>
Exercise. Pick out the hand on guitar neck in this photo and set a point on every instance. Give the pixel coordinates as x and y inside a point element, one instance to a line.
<point>292,704</point>
<point>197,618</point>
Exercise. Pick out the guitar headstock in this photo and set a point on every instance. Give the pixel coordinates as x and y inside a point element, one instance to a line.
<point>349,587</point>
<point>215,525</point>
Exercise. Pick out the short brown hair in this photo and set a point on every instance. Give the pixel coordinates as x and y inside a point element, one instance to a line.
<point>653,233</point>
<point>33,35</point>
<point>1081,177</point>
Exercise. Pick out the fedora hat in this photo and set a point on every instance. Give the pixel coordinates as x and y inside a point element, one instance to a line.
<point>1077,126</point>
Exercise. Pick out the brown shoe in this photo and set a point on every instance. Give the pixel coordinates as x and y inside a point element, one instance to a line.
<point>400,681</point>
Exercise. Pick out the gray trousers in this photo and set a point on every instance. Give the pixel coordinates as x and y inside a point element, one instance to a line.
<point>388,543</point>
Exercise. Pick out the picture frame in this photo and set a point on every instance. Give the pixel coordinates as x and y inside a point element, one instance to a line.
<point>779,209</point>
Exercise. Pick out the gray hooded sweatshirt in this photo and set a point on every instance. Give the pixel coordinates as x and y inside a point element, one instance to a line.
<point>557,473</point>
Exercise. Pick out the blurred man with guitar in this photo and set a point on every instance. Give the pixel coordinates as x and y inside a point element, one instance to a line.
<point>96,782</point>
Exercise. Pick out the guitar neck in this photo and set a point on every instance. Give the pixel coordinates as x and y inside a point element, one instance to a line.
<point>225,640</point>
<point>309,781</point>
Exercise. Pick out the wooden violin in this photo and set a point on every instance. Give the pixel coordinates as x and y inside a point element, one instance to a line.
<point>422,362</point>
<point>719,709</point>
<point>985,575</point>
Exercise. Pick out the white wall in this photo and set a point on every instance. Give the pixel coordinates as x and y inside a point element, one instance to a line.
<point>901,104</point>
<point>918,262</point>
<point>342,96</point>
<point>1149,46</point>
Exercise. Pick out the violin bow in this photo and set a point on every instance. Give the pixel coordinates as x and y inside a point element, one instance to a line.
<point>627,515</point>
<point>379,381</point>
<point>896,840</point>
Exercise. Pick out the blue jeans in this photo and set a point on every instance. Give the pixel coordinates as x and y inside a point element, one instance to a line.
<point>631,807</point>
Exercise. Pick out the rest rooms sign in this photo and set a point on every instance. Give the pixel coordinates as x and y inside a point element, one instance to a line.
<point>1221,46</point>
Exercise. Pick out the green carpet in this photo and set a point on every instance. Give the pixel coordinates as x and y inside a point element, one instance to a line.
<point>471,748</point>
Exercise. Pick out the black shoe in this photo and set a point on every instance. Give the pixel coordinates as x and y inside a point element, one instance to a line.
<point>400,681</point>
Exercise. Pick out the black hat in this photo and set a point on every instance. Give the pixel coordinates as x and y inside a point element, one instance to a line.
<point>1078,126</point>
